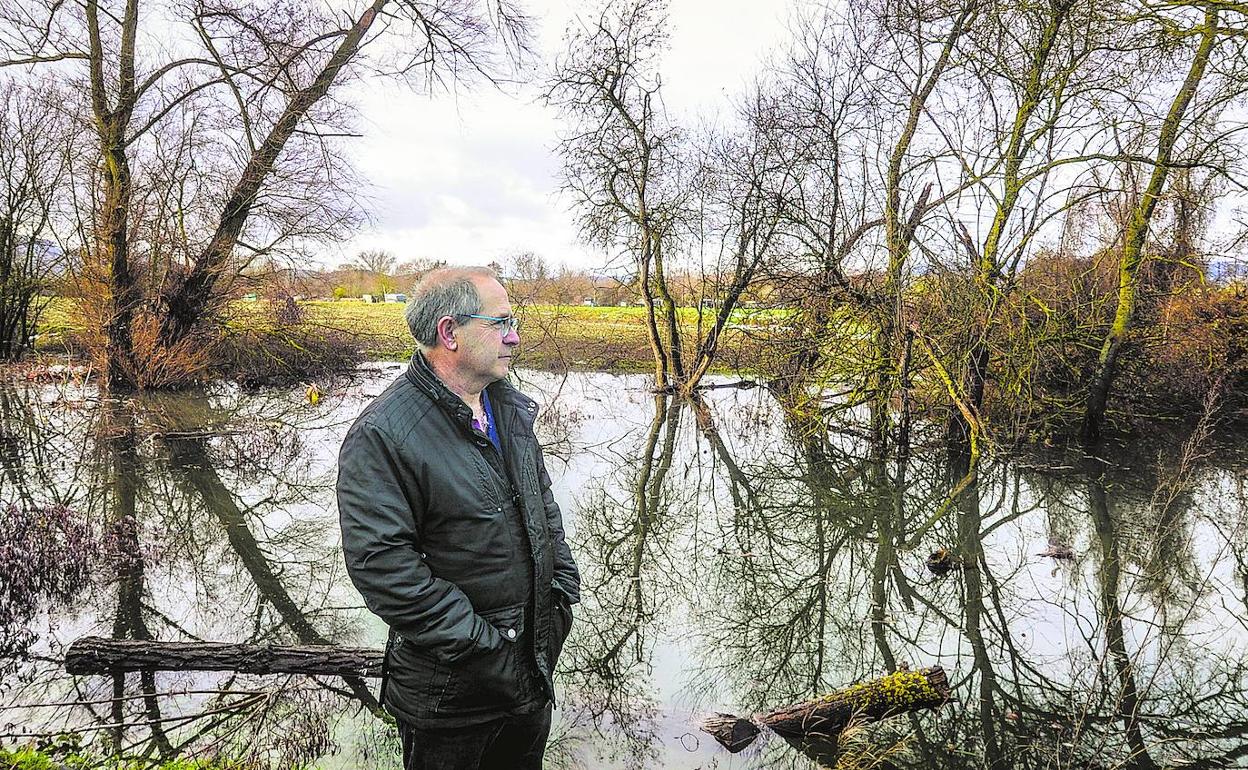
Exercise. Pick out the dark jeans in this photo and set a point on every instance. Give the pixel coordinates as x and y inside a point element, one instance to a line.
<point>511,743</point>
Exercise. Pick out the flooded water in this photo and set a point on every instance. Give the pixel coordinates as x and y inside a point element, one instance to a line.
<point>1088,612</point>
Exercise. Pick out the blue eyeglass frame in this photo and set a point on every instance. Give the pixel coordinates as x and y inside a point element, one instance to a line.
<point>505,323</point>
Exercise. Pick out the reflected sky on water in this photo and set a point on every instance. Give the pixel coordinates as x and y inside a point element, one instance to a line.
<point>1090,612</point>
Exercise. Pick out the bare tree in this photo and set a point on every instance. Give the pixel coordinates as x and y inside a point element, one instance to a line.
<point>377,261</point>
<point>919,43</point>
<point>642,186</point>
<point>249,92</point>
<point>34,135</point>
<point>1190,127</point>
<point>1038,68</point>
<point>856,112</point>
<point>746,178</point>
<point>622,155</point>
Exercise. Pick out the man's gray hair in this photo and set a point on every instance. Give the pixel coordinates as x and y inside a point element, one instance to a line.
<point>442,292</point>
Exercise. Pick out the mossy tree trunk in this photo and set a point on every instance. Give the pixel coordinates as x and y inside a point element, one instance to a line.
<point>899,230</point>
<point>1043,84</point>
<point>822,719</point>
<point>1134,250</point>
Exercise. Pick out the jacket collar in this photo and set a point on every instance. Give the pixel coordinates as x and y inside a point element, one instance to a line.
<point>421,374</point>
<point>503,396</point>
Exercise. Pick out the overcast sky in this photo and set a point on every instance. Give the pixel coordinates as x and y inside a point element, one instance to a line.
<point>473,177</point>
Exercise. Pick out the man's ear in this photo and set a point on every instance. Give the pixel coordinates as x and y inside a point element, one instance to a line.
<point>446,333</point>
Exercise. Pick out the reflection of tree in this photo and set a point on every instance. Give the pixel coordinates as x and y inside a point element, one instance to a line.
<point>624,558</point>
<point>826,581</point>
<point>119,442</point>
<point>1128,696</point>
<point>191,462</point>
<point>974,569</point>
<point>46,548</point>
<point>34,443</point>
<point>164,506</point>
<point>792,554</point>
<point>788,580</point>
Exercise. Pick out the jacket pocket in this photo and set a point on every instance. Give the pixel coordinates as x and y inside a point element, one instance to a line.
<point>492,681</point>
<point>416,679</point>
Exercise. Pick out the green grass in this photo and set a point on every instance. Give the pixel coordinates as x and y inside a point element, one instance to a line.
<point>67,756</point>
<point>559,337</point>
<point>55,324</point>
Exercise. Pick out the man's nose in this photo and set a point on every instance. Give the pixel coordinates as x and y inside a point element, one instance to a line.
<point>512,337</point>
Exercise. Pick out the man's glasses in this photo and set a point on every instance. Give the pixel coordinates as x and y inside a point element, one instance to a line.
<point>505,324</point>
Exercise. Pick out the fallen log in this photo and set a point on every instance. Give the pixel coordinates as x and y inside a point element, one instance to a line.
<point>821,719</point>
<point>96,655</point>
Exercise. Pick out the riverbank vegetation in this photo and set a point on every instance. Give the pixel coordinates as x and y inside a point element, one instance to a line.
<point>1041,259</point>
<point>1060,262</point>
<point>1191,347</point>
<point>64,754</point>
<point>322,337</point>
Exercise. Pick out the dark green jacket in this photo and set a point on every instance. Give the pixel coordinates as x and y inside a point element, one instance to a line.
<point>460,550</point>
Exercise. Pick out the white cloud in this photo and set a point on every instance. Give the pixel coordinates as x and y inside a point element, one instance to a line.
<point>471,177</point>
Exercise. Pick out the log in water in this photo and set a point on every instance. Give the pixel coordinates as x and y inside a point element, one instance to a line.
<point>96,655</point>
<point>824,717</point>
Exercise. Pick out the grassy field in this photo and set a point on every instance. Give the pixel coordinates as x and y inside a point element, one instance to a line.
<point>551,337</point>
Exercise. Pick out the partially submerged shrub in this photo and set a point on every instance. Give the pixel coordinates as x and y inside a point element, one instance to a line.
<point>1201,341</point>
<point>1044,333</point>
<point>266,343</point>
<point>154,363</point>
<point>288,354</point>
<point>46,555</point>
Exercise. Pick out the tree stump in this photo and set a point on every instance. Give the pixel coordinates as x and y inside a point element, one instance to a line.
<point>823,718</point>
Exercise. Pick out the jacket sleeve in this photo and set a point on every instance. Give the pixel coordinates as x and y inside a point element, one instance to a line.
<point>567,576</point>
<point>379,506</point>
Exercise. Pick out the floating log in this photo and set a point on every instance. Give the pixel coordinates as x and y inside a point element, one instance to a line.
<point>96,655</point>
<point>821,719</point>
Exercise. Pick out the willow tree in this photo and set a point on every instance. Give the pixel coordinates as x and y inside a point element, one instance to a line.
<point>857,94</point>
<point>919,54</point>
<point>1209,39</point>
<point>218,127</point>
<point>644,190</point>
<point>1038,68</point>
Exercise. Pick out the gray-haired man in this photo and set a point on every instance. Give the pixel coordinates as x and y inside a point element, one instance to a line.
<point>452,536</point>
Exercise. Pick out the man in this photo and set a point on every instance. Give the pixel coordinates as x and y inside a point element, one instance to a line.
<point>452,536</point>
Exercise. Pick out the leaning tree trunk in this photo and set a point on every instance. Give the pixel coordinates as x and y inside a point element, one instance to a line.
<point>1133,253</point>
<point>188,300</point>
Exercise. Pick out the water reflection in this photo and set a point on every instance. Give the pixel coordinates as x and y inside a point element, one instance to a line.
<point>736,558</point>
<point>793,561</point>
<point>197,500</point>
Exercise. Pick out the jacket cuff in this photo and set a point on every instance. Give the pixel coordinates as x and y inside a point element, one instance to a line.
<point>572,595</point>
<point>485,638</point>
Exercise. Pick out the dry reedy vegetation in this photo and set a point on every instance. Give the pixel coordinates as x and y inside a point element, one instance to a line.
<point>1044,335</point>
<point>153,365</point>
<point>268,344</point>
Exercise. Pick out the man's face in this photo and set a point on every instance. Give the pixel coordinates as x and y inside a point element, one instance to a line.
<point>484,350</point>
